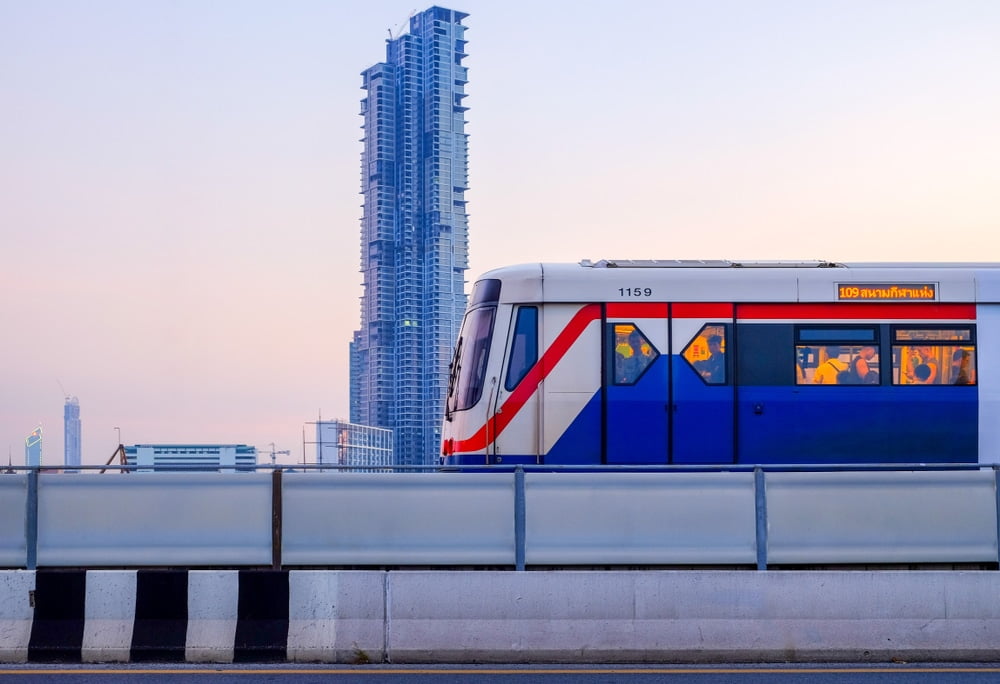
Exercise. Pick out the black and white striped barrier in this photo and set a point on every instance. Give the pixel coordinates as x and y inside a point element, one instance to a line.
<point>189,616</point>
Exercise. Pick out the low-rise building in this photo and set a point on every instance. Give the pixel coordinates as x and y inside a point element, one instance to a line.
<point>225,457</point>
<point>350,444</point>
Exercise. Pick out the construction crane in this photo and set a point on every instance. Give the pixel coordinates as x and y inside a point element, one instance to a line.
<point>274,454</point>
<point>399,29</point>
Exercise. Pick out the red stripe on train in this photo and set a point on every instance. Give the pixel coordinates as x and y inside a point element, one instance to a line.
<point>529,384</point>
<point>679,310</point>
<point>849,311</point>
<point>637,310</point>
<point>707,311</point>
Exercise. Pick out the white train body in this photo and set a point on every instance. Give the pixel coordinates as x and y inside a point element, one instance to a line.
<point>719,362</point>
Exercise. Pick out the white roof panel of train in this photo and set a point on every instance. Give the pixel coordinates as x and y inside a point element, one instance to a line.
<point>679,281</point>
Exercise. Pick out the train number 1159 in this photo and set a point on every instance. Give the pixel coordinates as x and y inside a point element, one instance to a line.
<point>635,292</point>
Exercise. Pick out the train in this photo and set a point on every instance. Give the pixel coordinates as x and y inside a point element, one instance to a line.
<point>685,362</point>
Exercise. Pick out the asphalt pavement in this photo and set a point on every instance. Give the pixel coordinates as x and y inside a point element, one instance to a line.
<point>894,673</point>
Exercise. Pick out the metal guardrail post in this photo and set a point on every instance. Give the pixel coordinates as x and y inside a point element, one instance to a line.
<point>996,491</point>
<point>276,515</point>
<point>519,516</point>
<point>31,521</point>
<point>760,508</point>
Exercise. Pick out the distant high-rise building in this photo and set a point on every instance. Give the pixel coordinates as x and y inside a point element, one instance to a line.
<point>355,370</point>
<point>414,233</point>
<point>33,448</point>
<point>71,429</point>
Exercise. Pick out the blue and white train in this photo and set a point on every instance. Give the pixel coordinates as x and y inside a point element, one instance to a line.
<point>718,362</point>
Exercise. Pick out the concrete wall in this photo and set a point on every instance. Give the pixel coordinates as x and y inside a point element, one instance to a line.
<point>486,616</point>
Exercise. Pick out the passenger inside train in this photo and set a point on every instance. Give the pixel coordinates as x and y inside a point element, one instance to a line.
<point>713,369</point>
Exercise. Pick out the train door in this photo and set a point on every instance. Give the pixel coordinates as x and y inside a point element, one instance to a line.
<point>570,382</point>
<point>514,405</point>
<point>636,370</point>
<point>702,392</point>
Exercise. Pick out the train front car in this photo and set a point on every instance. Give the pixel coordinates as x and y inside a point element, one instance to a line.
<point>478,370</point>
<point>634,363</point>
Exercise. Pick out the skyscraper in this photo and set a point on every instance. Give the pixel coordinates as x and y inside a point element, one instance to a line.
<point>33,448</point>
<point>414,233</point>
<point>71,431</point>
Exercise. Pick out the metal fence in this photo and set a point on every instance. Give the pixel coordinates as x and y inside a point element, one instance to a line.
<point>519,518</point>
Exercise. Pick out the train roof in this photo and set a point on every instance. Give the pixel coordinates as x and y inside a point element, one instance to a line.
<point>747,281</point>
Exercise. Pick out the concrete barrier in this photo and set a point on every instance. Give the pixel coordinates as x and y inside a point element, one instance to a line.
<point>16,614</point>
<point>336,617</point>
<point>191,616</point>
<point>497,617</point>
<point>693,616</point>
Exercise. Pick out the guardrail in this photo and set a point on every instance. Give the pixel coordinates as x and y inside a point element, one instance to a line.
<point>733,516</point>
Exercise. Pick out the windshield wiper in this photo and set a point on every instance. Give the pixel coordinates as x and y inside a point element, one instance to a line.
<point>454,368</point>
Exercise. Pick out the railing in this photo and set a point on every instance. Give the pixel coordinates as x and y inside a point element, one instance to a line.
<point>731,516</point>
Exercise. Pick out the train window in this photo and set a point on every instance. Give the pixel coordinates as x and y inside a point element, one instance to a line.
<point>962,370</point>
<point>471,353</point>
<point>487,290</point>
<point>837,355</point>
<point>764,355</point>
<point>838,334</point>
<point>706,353</point>
<point>633,353</point>
<point>933,356</point>
<point>524,348</point>
<point>931,334</point>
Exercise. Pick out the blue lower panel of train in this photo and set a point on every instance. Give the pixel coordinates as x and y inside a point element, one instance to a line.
<point>859,425</point>
<point>770,425</point>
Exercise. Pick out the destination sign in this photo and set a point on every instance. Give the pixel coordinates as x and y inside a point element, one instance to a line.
<point>887,292</point>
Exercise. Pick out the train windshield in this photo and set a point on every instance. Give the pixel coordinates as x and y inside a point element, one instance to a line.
<point>468,368</point>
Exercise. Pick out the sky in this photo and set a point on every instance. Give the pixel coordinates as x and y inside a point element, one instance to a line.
<point>179,179</point>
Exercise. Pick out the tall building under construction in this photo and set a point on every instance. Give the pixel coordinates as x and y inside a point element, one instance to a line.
<point>72,434</point>
<point>414,233</point>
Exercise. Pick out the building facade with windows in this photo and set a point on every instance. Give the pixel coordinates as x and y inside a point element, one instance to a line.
<point>414,233</point>
<point>224,457</point>
<point>71,433</point>
<point>359,446</point>
<point>33,448</point>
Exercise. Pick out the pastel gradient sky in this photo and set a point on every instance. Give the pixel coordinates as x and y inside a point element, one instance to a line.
<point>179,207</point>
